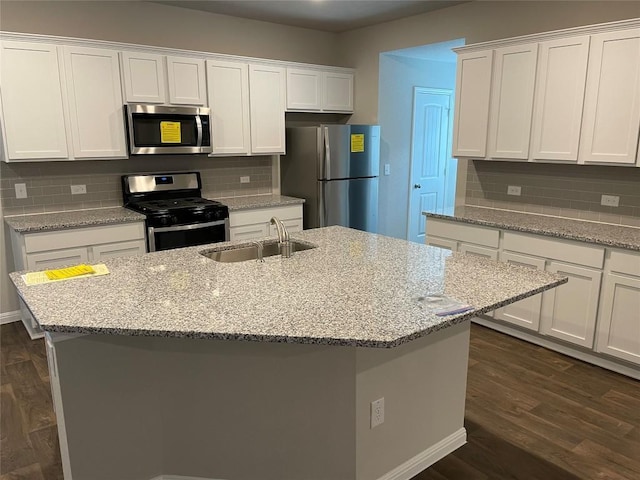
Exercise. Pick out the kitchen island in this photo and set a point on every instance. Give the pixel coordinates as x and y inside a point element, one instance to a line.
<point>178,366</point>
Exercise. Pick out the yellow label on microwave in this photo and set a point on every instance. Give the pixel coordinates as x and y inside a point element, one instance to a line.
<point>357,142</point>
<point>170,132</point>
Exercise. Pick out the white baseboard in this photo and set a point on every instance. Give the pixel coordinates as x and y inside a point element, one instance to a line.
<point>425,459</point>
<point>9,317</point>
<point>589,357</point>
<point>406,471</point>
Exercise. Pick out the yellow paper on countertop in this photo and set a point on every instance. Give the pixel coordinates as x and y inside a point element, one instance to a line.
<point>36,278</point>
<point>69,272</point>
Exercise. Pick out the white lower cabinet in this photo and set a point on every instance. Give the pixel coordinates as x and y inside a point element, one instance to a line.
<point>255,223</point>
<point>569,311</point>
<point>619,320</point>
<point>525,313</point>
<point>58,248</point>
<point>587,314</point>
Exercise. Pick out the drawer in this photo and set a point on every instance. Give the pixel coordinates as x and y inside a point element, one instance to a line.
<point>624,262</point>
<point>463,232</point>
<point>81,237</point>
<point>263,215</point>
<point>563,250</point>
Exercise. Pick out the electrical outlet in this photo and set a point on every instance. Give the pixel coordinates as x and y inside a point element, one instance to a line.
<point>387,169</point>
<point>21,190</point>
<point>377,412</point>
<point>610,200</point>
<point>78,189</point>
<point>514,190</point>
<point>246,179</point>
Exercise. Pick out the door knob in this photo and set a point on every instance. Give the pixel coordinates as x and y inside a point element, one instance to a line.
<point>417,185</point>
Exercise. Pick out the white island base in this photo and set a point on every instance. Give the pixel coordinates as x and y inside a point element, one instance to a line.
<point>142,408</point>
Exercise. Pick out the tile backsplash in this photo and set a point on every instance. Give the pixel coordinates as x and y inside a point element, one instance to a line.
<point>49,183</point>
<point>572,191</point>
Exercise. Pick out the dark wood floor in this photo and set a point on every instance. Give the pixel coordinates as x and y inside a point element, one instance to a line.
<point>531,414</point>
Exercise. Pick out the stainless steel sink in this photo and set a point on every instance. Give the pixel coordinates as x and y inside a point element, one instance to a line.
<point>246,252</point>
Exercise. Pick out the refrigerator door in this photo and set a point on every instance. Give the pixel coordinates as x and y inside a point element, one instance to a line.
<point>350,151</point>
<point>351,203</point>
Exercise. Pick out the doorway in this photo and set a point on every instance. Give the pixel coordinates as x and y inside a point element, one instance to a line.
<point>401,72</point>
<point>430,152</point>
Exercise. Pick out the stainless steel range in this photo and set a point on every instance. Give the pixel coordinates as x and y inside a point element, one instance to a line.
<point>177,215</point>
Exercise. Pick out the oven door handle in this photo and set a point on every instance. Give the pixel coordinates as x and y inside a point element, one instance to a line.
<point>191,226</point>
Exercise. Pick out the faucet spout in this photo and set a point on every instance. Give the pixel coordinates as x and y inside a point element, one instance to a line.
<point>283,237</point>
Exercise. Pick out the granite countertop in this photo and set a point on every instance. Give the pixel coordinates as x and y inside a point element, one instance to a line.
<point>354,289</point>
<point>258,201</point>
<point>41,222</point>
<point>581,230</point>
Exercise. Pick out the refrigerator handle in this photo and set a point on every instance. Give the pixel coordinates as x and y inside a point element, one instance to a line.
<point>327,155</point>
<point>322,210</point>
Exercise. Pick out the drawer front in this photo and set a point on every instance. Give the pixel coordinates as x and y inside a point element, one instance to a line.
<point>249,232</point>
<point>478,235</point>
<point>623,262</point>
<point>57,258</point>
<point>292,225</point>
<point>263,215</point>
<point>80,237</point>
<point>563,250</point>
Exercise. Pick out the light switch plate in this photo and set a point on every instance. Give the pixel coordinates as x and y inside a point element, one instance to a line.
<point>246,179</point>
<point>387,169</point>
<point>78,189</point>
<point>610,200</point>
<point>21,190</point>
<point>514,190</point>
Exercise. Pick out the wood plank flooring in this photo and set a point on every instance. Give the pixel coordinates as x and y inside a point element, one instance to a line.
<point>531,414</point>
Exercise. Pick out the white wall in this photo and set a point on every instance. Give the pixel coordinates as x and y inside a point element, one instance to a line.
<point>398,76</point>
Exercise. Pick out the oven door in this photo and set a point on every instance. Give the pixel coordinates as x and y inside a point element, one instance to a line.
<point>157,129</point>
<point>165,238</point>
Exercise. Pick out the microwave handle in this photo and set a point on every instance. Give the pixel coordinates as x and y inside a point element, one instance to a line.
<point>198,131</point>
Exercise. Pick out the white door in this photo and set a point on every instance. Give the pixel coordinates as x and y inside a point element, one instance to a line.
<point>337,92</point>
<point>143,75</point>
<point>429,156</point>
<point>267,91</point>
<point>187,84</point>
<point>304,89</point>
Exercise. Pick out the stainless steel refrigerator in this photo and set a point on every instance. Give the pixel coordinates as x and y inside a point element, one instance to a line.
<point>335,169</point>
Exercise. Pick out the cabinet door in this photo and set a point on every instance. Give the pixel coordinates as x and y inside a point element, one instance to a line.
<point>612,100</point>
<point>100,253</point>
<point>569,311</point>
<point>143,77</point>
<point>249,232</point>
<point>445,243</point>
<point>485,252</point>
<point>304,89</point>
<point>473,88</point>
<point>187,84</point>
<point>619,327</point>
<point>95,103</point>
<point>337,92</point>
<point>512,86</point>
<point>32,97</point>
<point>525,313</point>
<point>267,94</point>
<point>57,258</point>
<point>559,96</point>
<point>228,88</point>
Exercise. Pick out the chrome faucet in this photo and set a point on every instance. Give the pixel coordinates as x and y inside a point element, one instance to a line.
<point>283,237</point>
<point>259,247</point>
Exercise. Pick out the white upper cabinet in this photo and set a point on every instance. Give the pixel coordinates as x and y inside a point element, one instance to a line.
<point>473,87</point>
<point>311,90</point>
<point>143,75</point>
<point>228,88</point>
<point>151,78</point>
<point>267,94</point>
<point>95,103</point>
<point>612,101</point>
<point>338,92</point>
<point>30,81</point>
<point>186,80</point>
<point>304,90</point>
<point>247,108</point>
<point>514,70</point>
<point>557,112</point>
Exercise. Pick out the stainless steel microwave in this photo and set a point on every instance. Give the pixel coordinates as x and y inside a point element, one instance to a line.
<point>162,129</point>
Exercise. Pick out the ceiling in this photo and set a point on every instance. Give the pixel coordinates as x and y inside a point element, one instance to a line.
<point>326,15</point>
